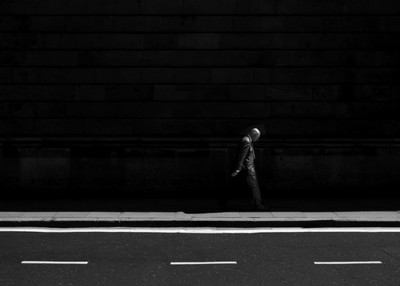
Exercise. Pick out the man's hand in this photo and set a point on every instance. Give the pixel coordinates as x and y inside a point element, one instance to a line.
<point>234,174</point>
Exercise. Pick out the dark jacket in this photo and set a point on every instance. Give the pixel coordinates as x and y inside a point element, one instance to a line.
<point>245,156</point>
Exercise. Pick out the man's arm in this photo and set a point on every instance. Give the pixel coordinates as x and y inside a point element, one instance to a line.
<point>244,148</point>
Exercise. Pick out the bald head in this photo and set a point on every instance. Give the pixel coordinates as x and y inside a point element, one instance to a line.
<point>255,134</point>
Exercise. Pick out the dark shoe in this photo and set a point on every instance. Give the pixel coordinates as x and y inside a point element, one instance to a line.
<point>261,207</point>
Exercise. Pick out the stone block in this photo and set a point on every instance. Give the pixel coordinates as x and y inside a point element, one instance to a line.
<point>325,127</point>
<point>234,126</point>
<point>158,75</point>
<point>373,110</point>
<point>359,128</point>
<point>160,41</point>
<point>304,110</point>
<point>379,92</point>
<point>309,23</point>
<point>326,92</point>
<point>117,75</point>
<point>19,76</point>
<point>17,109</point>
<point>11,23</point>
<point>201,7</point>
<point>53,127</point>
<point>148,110</point>
<point>112,126</point>
<point>376,58</point>
<point>285,41</point>
<point>13,58</point>
<point>289,127</point>
<point>198,23</point>
<point>71,7</point>
<point>88,41</point>
<point>239,92</point>
<point>37,92</point>
<point>129,92</point>
<point>51,23</point>
<point>183,92</point>
<point>52,58</point>
<point>21,40</point>
<point>294,75</point>
<point>65,76</point>
<point>373,41</point>
<point>118,58</point>
<point>162,7</point>
<point>54,92</point>
<point>193,75</point>
<point>17,127</point>
<point>386,76</point>
<point>90,92</point>
<point>172,127</point>
<point>373,7</point>
<point>139,23</point>
<point>199,41</point>
<point>92,109</point>
<point>287,92</point>
<point>117,7</point>
<point>197,110</point>
<point>51,109</point>
<point>232,75</point>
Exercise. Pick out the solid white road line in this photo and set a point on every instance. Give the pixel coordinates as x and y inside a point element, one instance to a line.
<point>203,263</point>
<point>55,262</point>
<point>201,230</point>
<point>347,262</point>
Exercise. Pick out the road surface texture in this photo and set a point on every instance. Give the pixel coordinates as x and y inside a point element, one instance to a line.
<point>118,258</point>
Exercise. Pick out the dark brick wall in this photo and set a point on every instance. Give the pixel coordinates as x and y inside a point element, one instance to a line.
<point>150,96</point>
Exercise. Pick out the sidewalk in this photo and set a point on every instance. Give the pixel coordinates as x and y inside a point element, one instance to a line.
<point>375,216</point>
<point>198,213</point>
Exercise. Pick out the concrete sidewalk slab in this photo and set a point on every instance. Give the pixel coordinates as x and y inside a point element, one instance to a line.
<point>361,216</point>
<point>219,215</point>
<point>148,214</point>
<point>288,215</point>
<point>72,214</point>
<point>39,214</point>
<point>103,215</point>
<point>182,217</point>
<point>320,215</point>
<point>256,215</point>
<point>10,214</point>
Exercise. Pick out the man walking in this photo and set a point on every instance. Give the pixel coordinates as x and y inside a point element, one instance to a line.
<point>245,163</point>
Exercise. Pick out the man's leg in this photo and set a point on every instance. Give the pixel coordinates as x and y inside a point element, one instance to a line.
<point>252,182</point>
<point>255,189</point>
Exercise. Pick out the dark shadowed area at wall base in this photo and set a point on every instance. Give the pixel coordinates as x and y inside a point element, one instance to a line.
<point>197,206</point>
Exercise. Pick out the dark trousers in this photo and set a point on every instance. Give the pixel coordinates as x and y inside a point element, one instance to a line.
<point>252,184</point>
<point>246,179</point>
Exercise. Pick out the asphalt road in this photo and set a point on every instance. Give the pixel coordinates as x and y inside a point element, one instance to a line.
<point>232,259</point>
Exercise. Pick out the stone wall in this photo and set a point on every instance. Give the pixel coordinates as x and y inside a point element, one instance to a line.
<point>146,97</point>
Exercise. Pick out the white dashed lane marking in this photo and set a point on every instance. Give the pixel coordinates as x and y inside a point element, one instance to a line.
<point>346,262</point>
<point>204,263</point>
<point>56,262</point>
